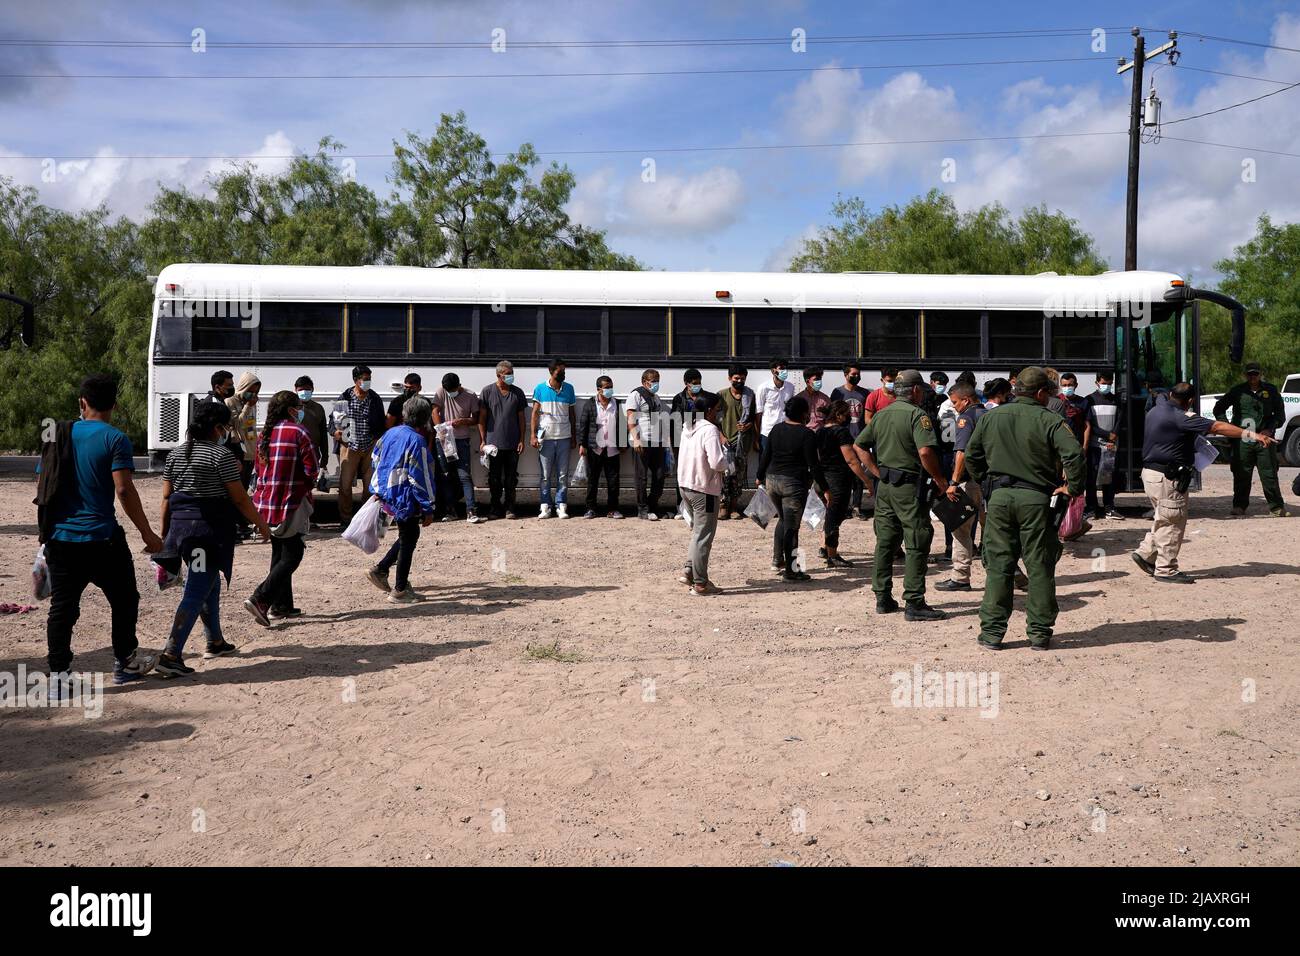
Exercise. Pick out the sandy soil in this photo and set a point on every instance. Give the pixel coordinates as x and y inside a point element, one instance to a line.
<point>750,728</point>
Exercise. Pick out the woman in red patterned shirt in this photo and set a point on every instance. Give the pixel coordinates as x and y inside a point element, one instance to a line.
<point>286,471</point>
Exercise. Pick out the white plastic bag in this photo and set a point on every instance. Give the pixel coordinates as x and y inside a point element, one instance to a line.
<point>486,454</point>
<point>686,514</point>
<point>579,476</point>
<point>366,527</point>
<point>814,512</point>
<point>760,508</point>
<point>40,576</point>
<point>447,439</point>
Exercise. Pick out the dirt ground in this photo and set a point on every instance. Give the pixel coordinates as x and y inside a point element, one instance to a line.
<point>758,727</point>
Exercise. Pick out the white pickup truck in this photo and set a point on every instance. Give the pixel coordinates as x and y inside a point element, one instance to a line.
<point>1288,435</point>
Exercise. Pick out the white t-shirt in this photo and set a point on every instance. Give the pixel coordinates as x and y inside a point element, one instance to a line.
<point>771,402</point>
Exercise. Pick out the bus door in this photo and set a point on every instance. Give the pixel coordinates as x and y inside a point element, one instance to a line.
<point>1157,357</point>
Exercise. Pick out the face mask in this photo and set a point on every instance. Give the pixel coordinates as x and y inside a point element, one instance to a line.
<point>782,375</point>
<point>301,413</point>
<point>1068,391</point>
<point>816,384</point>
<point>607,392</point>
<point>1104,389</point>
<point>559,377</point>
<point>365,386</point>
<point>940,389</point>
<point>248,396</point>
<point>452,393</point>
<point>738,385</point>
<point>695,389</point>
<point>305,394</point>
<point>228,391</point>
<point>654,387</point>
<point>854,379</point>
<point>508,379</point>
<point>889,386</point>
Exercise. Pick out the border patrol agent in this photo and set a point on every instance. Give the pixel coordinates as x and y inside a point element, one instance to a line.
<point>968,413</point>
<point>1018,453</point>
<point>1168,453</point>
<point>1256,406</point>
<point>905,449</point>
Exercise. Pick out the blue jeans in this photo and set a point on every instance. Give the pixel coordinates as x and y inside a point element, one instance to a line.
<point>201,600</point>
<point>462,466</point>
<point>554,456</point>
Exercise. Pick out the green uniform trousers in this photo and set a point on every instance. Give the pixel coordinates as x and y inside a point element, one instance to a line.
<point>1019,526</point>
<point>1246,457</point>
<point>900,517</point>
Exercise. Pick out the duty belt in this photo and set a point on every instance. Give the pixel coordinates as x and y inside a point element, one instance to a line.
<point>897,477</point>
<point>992,482</point>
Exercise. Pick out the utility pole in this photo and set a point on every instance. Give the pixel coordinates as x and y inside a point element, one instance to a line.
<point>1140,56</point>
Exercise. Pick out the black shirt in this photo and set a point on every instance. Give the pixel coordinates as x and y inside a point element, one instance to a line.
<point>1170,436</point>
<point>790,451</point>
<point>830,439</point>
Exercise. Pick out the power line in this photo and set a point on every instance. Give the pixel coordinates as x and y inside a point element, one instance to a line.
<point>1240,147</point>
<point>551,44</point>
<point>503,76</point>
<point>1238,76</point>
<point>1266,46</point>
<point>1231,106</point>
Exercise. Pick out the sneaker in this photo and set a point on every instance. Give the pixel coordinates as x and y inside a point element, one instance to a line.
<point>590,513</point>
<point>406,596</point>
<point>1098,514</point>
<point>705,588</point>
<point>839,562</point>
<point>1113,515</point>
<point>379,579</point>
<point>511,516</point>
<point>474,518</point>
<point>544,513</point>
<point>446,518</point>
<point>686,578</point>
<point>1146,566</point>
<point>1280,513</point>
<point>1238,512</point>
<point>777,568</point>
<point>724,514</point>
<point>617,515</point>
<point>920,611</point>
<point>283,612</point>
<point>561,511</point>
<point>651,516</point>
<point>793,575</point>
<point>133,668</point>
<point>885,604</point>
<point>258,610</point>
<point>169,666</point>
<point>224,649</point>
<point>1178,577</point>
<point>821,552</point>
<point>951,585</point>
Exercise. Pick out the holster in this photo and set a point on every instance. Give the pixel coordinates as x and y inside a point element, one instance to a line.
<point>1058,506</point>
<point>1181,476</point>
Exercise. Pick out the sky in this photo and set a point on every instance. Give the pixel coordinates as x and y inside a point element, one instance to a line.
<point>83,135</point>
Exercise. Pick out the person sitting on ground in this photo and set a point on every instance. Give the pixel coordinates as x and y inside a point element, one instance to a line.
<point>404,483</point>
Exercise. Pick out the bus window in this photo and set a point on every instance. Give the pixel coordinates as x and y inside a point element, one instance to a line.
<point>443,329</point>
<point>510,331</point>
<point>953,335</point>
<point>216,328</point>
<point>701,333</point>
<point>762,333</point>
<point>827,334</point>
<point>300,327</point>
<point>376,327</point>
<point>889,334</point>
<point>1081,338</point>
<point>172,336</point>
<point>1016,335</point>
<point>572,330</point>
<point>638,332</point>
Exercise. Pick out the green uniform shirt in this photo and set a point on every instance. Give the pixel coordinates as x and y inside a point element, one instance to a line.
<point>1263,408</point>
<point>897,433</point>
<point>1027,441</point>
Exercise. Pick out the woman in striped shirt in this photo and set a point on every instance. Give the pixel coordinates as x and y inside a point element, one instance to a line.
<point>286,471</point>
<point>202,491</point>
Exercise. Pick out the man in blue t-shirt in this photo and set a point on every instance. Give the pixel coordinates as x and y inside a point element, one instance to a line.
<point>87,545</point>
<point>554,435</point>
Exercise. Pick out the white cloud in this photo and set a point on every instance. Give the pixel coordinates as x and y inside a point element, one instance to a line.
<point>670,204</point>
<point>778,260</point>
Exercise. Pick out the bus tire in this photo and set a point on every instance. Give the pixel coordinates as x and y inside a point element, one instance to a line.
<point>1291,446</point>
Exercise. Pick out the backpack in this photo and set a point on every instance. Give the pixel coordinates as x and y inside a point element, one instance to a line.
<point>56,479</point>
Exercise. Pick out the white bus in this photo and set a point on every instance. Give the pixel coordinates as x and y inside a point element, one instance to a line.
<point>285,321</point>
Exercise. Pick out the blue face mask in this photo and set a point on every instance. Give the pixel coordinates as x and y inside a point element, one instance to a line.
<point>306,394</point>
<point>301,413</point>
<point>1103,388</point>
<point>607,392</point>
<point>508,379</point>
<point>783,375</point>
<point>365,386</point>
<point>452,393</point>
<point>940,389</point>
<point>1068,391</point>
<point>695,389</point>
<point>889,386</point>
<point>816,384</point>
<point>654,387</point>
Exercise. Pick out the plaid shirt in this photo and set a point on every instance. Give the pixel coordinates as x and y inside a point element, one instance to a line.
<point>286,475</point>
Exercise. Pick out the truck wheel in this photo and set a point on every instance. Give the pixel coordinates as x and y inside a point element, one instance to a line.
<point>1291,447</point>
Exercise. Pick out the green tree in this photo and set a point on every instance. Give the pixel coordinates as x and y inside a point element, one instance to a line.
<point>454,205</point>
<point>1264,276</point>
<point>929,235</point>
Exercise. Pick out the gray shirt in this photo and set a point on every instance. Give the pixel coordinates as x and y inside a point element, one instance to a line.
<point>503,415</point>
